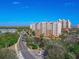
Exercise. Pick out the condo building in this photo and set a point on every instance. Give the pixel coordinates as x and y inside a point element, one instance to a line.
<point>78,26</point>
<point>65,23</point>
<point>68,24</point>
<point>50,28</point>
<point>44,28</point>
<point>57,28</point>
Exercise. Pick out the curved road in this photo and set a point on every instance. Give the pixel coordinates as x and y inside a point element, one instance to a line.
<point>23,48</point>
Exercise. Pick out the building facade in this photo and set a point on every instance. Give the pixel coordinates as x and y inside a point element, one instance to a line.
<point>50,28</point>
<point>65,23</point>
<point>77,26</point>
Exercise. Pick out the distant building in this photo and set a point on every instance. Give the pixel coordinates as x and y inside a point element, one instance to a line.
<point>38,30</point>
<point>8,30</point>
<point>51,28</point>
<point>33,26</point>
<point>44,28</point>
<point>77,25</point>
<point>65,23</point>
<point>68,24</point>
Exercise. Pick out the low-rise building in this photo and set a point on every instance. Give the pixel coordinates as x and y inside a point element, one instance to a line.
<point>8,30</point>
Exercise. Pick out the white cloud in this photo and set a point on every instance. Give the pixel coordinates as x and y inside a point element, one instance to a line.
<point>25,7</point>
<point>15,2</point>
<point>69,4</point>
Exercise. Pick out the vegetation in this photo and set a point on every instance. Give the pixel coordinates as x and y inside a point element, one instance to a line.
<point>66,46</point>
<point>34,46</point>
<point>7,54</point>
<point>55,51</point>
<point>8,39</point>
<point>14,27</point>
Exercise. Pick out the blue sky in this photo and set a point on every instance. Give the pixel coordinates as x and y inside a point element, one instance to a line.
<point>26,12</point>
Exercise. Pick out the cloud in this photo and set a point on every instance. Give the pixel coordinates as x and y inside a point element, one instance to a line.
<point>25,7</point>
<point>69,4</point>
<point>15,2</point>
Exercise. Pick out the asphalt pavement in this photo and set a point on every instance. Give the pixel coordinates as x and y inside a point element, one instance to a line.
<point>25,53</point>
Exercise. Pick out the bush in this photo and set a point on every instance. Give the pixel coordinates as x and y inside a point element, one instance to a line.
<point>8,39</point>
<point>55,52</point>
<point>34,46</point>
<point>7,54</point>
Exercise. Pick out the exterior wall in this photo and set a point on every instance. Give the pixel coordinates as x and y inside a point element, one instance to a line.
<point>59,26</point>
<point>64,24</point>
<point>68,24</point>
<point>44,28</point>
<point>50,28</point>
<point>77,25</point>
<point>54,29</point>
<point>33,27</point>
<point>38,30</point>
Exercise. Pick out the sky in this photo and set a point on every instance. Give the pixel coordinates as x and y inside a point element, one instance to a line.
<point>26,12</point>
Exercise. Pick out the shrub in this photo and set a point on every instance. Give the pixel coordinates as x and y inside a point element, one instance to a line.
<point>34,46</point>
<point>55,52</point>
<point>7,54</point>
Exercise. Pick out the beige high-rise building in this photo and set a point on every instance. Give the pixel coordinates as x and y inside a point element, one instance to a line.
<point>33,27</point>
<point>65,23</point>
<point>68,24</point>
<point>77,25</point>
<point>38,29</point>
<point>57,28</point>
<point>44,28</point>
<point>51,28</point>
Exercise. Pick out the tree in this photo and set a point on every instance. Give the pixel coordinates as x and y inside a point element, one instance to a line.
<point>41,40</point>
<point>33,33</point>
<point>55,51</point>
